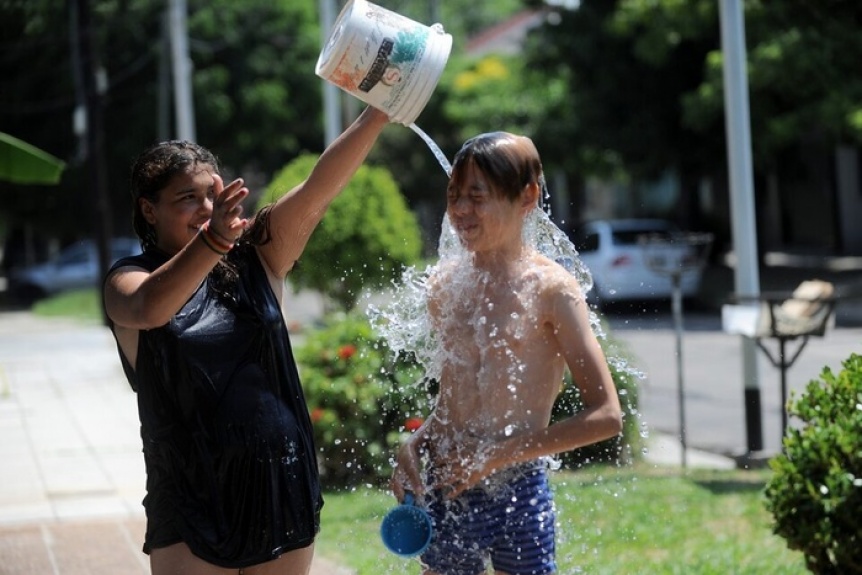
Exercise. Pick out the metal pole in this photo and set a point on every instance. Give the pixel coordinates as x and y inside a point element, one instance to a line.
<point>677,322</point>
<point>782,362</point>
<point>86,72</point>
<point>747,280</point>
<point>182,71</point>
<point>331,95</point>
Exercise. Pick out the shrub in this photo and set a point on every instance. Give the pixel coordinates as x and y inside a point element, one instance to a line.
<point>815,493</point>
<point>621,449</point>
<point>366,238</point>
<point>362,400</point>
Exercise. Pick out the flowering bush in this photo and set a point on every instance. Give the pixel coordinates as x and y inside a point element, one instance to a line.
<point>361,400</point>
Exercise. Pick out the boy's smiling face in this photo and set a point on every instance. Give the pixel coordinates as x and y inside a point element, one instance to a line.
<point>481,216</point>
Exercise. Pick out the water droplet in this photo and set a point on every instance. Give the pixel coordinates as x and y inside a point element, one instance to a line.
<point>644,430</point>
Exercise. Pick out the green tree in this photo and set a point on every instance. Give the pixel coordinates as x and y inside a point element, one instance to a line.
<point>645,92</point>
<point>622,111</point>
<point>257,99</point>
<point>366,238</point>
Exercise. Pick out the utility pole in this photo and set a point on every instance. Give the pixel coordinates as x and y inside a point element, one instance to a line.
<point>185,112</point>
<point>163,116</point>
<point>744,228</point>
<point>331,95</point>
<point>83,51</point>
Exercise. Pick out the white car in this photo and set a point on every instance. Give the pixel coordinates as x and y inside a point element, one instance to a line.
<point>75,267</point>
<point>637,259</point>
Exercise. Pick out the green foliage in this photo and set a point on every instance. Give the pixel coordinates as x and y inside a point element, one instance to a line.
<point>622,449</point>
<point>366,238</point>
<point>362,400</point>
<point>256,96</point>
<point>626,68</point>
<point>497,92</point>
<point>815,494</point>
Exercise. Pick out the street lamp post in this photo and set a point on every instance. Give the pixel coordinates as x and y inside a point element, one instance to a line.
<point>674,257</point>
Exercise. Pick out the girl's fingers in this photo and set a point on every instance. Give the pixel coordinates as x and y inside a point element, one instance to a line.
<point>218,185</point>
<point>230,194</point>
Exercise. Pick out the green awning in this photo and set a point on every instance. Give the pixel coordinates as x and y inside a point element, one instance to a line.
<point>22,163</point>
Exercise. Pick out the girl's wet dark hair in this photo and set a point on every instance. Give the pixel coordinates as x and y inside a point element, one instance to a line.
<point>509,162</point>
<point>153,170</point>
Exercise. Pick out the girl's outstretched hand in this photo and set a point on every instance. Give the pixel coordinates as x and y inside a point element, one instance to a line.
<point>226,221</point>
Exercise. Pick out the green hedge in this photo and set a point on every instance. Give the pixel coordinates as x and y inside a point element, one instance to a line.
<point>815,493</point>
<point>366,238</point>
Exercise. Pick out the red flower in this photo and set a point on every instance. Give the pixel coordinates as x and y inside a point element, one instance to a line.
<point>411,424</point>
<point>317,414</point>
<point>345,352</point>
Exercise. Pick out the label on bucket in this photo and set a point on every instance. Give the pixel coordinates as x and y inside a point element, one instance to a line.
<point>384,59</point>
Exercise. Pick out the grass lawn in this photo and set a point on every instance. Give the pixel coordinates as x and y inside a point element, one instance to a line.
<point>83,305</point>
<point>638,520</point>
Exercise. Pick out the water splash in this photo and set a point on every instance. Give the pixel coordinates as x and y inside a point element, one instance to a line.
<point>404,322</point>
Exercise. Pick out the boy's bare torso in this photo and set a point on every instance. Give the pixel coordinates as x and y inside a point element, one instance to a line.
<point>502,366</point>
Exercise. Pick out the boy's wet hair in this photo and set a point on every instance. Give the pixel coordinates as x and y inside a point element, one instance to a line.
<point>510,162</point>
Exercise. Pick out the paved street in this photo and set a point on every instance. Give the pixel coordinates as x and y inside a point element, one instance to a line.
<point>713,375</point>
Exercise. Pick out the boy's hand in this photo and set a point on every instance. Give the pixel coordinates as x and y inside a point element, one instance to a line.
<point>407,475</point>
<point>466,466</point>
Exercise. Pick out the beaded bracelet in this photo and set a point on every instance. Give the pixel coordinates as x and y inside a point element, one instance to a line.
<point>213,241</point>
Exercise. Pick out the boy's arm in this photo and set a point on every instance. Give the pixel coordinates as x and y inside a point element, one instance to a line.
<point>600,419</point>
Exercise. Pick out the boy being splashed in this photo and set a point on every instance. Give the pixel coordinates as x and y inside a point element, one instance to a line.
<point>507,321</point>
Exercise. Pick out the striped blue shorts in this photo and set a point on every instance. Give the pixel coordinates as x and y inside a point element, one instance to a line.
<point>508,520</point>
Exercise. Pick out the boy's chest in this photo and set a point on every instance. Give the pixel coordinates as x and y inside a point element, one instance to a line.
<point>502,319</point>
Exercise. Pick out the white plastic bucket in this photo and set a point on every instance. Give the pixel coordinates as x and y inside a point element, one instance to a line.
<point>386,60</point>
